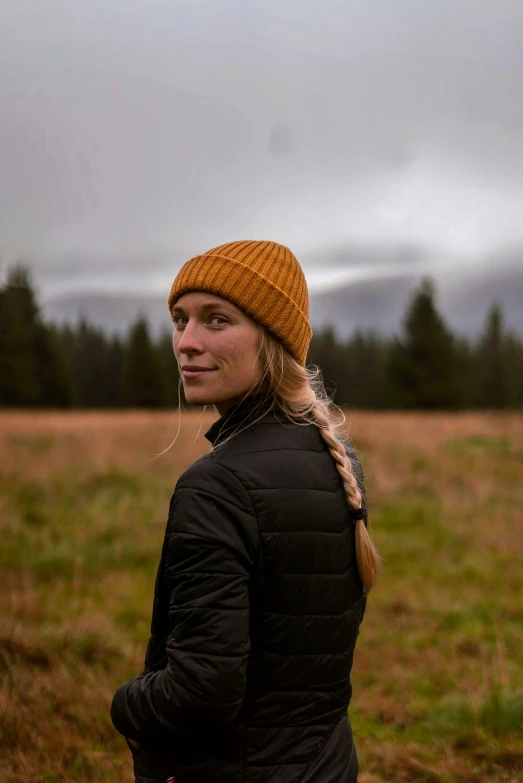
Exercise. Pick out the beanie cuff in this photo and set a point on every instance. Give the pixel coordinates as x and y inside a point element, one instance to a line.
<point>251,292</point>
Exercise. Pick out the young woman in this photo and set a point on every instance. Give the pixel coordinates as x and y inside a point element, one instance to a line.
<point>266,560</point>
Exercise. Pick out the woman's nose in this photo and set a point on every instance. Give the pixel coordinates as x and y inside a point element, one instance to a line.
<point>190,339</point>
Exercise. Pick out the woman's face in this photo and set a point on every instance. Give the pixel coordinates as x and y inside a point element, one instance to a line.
<point>212,333</point>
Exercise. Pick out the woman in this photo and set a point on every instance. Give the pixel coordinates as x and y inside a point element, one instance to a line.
<point>266,560</point>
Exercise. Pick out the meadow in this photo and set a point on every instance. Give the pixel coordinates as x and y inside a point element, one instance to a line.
<point>438,671</point>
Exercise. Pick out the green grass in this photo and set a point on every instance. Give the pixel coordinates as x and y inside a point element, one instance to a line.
<point>437,677</point>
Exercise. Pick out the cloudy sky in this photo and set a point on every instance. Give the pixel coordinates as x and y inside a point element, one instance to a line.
<point>370,136</point>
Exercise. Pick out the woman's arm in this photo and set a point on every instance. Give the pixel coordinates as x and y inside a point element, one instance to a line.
<point>211,549</point>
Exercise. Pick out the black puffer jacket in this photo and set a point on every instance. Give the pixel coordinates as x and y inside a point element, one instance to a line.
<point>257,609</point>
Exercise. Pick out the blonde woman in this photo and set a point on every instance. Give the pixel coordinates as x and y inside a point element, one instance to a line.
<point>266,561</point>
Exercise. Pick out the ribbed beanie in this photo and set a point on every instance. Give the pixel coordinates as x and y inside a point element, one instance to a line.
<point>264,279</point>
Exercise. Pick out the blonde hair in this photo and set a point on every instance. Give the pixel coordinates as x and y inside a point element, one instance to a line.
<point>300,393</point>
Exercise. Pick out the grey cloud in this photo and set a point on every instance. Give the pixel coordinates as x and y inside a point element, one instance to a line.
<point>141,133</point>
<point>357,255</point>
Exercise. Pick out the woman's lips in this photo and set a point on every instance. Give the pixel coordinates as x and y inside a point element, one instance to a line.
<point>194,373</point>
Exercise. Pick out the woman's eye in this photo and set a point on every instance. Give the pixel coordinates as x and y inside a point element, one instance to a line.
<point>220,318</point>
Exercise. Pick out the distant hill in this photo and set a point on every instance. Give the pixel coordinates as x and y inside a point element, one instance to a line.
<point>466,302</point>
<point>370,304</point>
<point>377,304</point>
<point>113,312</point>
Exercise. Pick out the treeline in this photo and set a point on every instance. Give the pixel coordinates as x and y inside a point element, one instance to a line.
<point>426,367</point>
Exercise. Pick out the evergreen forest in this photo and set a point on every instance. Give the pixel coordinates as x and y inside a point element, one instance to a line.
<point>425,367</point>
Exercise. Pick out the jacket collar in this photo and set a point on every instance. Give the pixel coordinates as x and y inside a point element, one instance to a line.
<point>249,408</point>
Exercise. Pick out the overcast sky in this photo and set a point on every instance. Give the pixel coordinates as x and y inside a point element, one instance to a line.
<point>369,136</point>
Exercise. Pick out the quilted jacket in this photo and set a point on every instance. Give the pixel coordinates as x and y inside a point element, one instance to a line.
<point>256,612</point>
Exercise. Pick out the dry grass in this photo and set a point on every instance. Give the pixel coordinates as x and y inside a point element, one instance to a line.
<point>438,677</point>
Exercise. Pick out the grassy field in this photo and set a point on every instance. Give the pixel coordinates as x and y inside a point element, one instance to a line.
<point>438,672</point>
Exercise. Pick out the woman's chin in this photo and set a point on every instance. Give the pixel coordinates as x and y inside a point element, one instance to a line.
<point>199,396</point>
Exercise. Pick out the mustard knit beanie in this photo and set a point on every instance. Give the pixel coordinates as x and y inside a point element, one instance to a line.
<point>264,279</point>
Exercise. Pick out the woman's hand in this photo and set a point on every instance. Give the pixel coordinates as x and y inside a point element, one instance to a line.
<point>134,743</point>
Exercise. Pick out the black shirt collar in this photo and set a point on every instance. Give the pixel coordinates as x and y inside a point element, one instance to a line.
<point>249,408</point>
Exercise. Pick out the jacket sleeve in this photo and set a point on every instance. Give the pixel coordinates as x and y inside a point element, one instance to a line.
<point>210,552</point>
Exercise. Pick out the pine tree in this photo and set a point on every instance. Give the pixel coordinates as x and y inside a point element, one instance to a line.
<point>57,388</point>
<point>96,365</point>
<point>142,376</point>
<point>66,338</point>
<point>514,363</point>
<point>114,373</point>
<point>365,361</point>
<point>169,370</point>
<point>19,383</point>
<point>493,369</point>
<point>423,367</point>
<point>464,355</point>
<point>325,352</point>
<point>32,369</point>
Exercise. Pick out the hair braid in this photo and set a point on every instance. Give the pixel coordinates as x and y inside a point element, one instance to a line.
<point>319,412</point>
<point>300,393</point>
